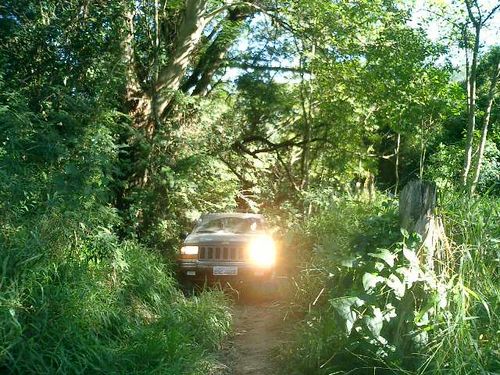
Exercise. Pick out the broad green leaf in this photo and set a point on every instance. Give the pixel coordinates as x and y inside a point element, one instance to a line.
<point>344,307</point>
<point>410,275</point>
<point>375,322</point>
<point>411,256</point>
<point>379,266</point>
<point>422,318</point>
<point>395,284</point>
<point>421,339</point>
<point>385,255</point>
<point>371,280</point>
<point>348,262</point>
<point>389,312</point>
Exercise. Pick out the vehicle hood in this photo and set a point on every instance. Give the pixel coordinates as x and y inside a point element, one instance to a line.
<point>219,238</point>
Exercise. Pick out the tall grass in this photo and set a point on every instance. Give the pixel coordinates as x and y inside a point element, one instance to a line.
<point>444,323</point>
<point>467,339</point>
<point>74,298</point>
<point>125,315</point>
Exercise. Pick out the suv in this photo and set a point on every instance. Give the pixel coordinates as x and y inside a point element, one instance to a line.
<point>227,246</point>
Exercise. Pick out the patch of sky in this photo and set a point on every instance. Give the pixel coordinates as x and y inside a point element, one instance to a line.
<point>263,46</point>
<point>428,15</point>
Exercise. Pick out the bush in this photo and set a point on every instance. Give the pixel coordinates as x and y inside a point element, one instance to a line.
<point>369,305</point>
<point>120,315</point>
<point>74,297</point>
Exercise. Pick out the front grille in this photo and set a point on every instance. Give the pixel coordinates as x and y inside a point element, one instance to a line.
<point>222,253</point>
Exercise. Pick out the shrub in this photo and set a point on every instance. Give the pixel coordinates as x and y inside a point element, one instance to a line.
<point>370,306</point>
<point>74,297</point>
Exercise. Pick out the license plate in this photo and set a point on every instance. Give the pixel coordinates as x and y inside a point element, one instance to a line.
<point>225,270</point>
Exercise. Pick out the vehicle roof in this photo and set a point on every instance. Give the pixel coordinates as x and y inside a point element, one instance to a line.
<point>242,215</point>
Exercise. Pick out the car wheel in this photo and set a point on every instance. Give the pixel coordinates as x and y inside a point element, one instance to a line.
<point>187,286</point>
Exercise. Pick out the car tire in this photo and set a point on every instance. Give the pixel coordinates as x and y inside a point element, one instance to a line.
<point>187,286</point>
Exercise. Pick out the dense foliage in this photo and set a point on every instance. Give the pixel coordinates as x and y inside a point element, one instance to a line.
<point>75,297</point>
<point>122,121</point>
<point>370,303</point>
<point>79,293</point>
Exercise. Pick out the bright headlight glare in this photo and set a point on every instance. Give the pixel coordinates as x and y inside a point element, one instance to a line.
<point>263,251</point>
<point>189,250</point>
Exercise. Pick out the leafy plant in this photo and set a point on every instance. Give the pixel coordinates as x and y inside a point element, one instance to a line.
<point>374,306</point>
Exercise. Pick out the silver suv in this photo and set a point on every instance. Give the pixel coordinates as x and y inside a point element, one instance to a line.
<point>229,246</point>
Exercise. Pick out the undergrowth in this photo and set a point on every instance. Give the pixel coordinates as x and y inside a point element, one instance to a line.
<point>367,304</point>
<point>121,315</point>
<point>74,297</point>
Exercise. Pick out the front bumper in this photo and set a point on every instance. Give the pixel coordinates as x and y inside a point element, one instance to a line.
<point>204,270</point>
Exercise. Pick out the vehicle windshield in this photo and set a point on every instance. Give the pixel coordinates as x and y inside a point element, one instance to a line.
<point>230,225</point>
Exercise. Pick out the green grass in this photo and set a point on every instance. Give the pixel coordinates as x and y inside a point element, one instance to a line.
<point>469,330</point>
<point>74,297</point>
<point>124,315</point>
<point>446,323</point>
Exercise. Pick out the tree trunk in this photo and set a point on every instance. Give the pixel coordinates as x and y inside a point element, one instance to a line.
<point>396,162</point>
<point>133,89</point>
<point>306,94</point>
<point>156,67</point>
<point>478,20</point>
<point>215,54</point>
<point>467,64</point>
<point>148,105</point>
<point>137,98</point>
<point>471,118</point>
<point>422,151</point>
<point>189,34</point>
<point>486,122</point>
<point>417,203</point>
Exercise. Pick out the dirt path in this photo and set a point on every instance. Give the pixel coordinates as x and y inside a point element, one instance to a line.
<point>258,330</point>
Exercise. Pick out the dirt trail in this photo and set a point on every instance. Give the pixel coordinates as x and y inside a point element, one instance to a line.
<point>258,330</point>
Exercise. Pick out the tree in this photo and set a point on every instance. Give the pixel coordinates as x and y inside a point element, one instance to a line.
<point>168,39</point>
<point>325,122</point>
<point>171,51</point>
<point>479,18</point>
<point>494,65</point>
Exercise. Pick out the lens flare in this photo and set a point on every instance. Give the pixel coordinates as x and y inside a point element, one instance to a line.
<point>263,251</point>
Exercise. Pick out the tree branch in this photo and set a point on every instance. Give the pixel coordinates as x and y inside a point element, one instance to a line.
<point>492,12</point>
<point>471,14</point>
<point>213,58</point>
<point>267,67</point>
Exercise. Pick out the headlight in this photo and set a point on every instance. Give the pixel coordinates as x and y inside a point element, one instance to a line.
<point>189,250</point>
<point>263,251</point>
